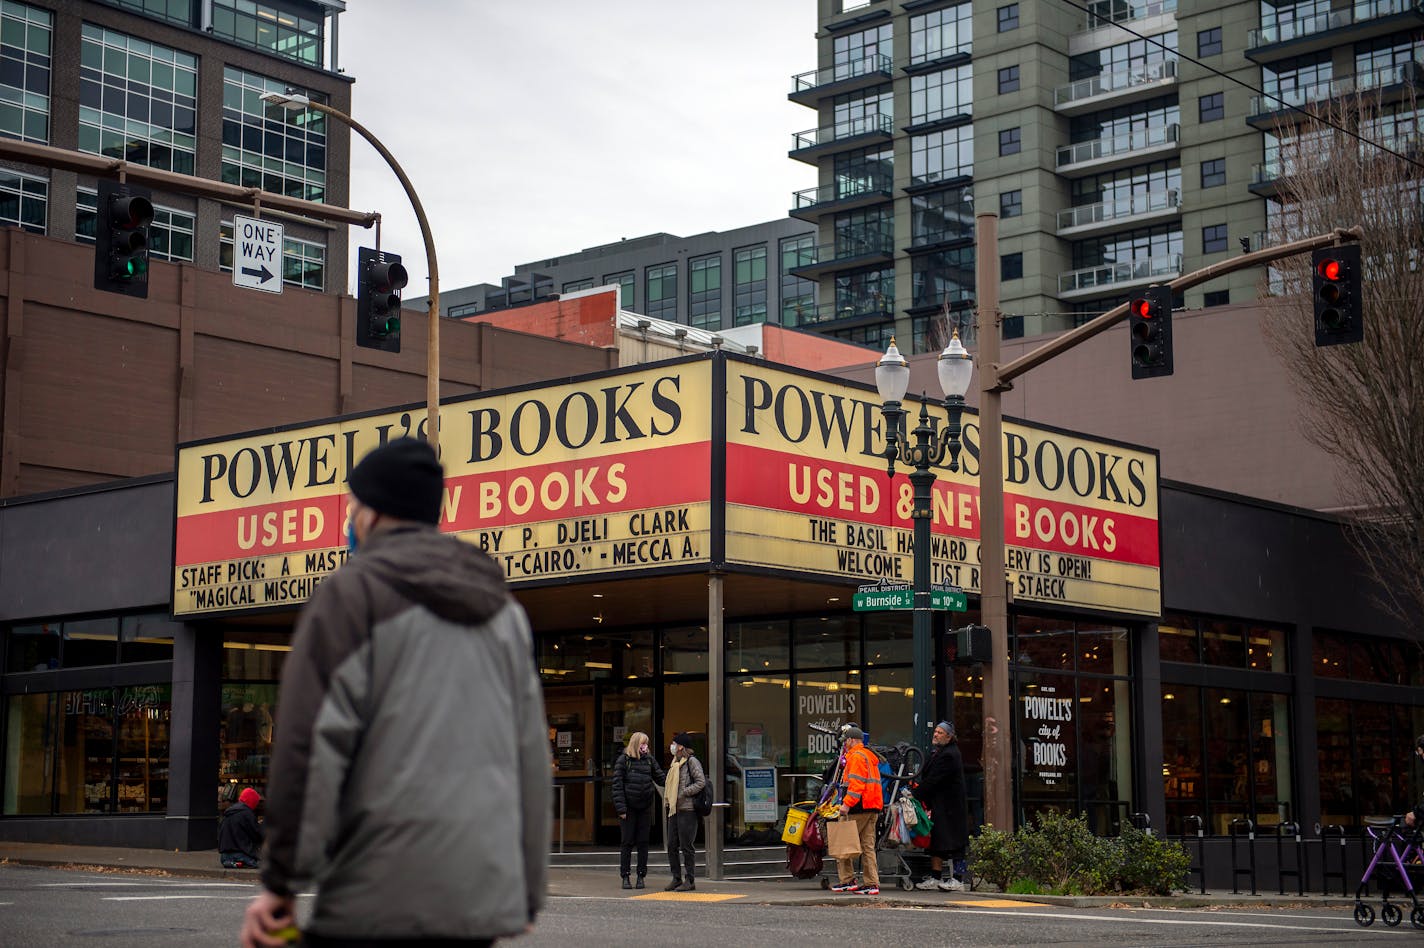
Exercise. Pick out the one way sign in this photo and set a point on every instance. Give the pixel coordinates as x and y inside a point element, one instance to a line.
<point>257,254</point>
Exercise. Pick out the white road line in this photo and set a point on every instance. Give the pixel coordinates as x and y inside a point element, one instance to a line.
<point>1312,918</point>
<point>171,898</point>
<point>1137,919</point>
<point>72,885</point>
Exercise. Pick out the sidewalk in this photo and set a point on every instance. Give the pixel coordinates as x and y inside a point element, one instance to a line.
<point>603,883</point>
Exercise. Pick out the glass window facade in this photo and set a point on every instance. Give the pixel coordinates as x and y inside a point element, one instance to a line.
<point>627,282</point>
<point>945,94</point>
<point>942,155</point>
<point>852,54</point>
<point>137,100</point>
<point>271,27</point>
<point>749,285</point>
<point>941,216</point>
<point>273,149</point>
<point>26,34</point>
<point>798,296</point>
<point>704,292</point>
<point>941,33</point>
<point>942,278</point>
<point>660,291</point>
<point>1010,141</point>
<point>24,201</point>
<point>1209,42</point>
<point>183,12</point>
<point>1214,238</point>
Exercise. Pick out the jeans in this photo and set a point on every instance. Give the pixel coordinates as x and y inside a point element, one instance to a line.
<point>635,827</point>
<point>681,835</point>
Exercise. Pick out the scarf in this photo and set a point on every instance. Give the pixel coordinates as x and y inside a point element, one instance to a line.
<point>670,792</point>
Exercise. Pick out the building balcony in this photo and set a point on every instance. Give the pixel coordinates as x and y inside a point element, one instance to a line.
<point>851,249</point>
<point>1117,151</point>
<point>1111,278</point>
<point>1391,82</point>
<point>809,88</point>
<point>814,142</point>
<point>1133,209</point>
<point>1279,37</point>
<point>847,195</point>
<point>1264,179</point>
<point>1102,13</point>
<point>847,314</point>
<point>1114,88</point>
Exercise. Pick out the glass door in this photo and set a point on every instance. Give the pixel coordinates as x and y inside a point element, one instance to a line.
<point>570,715</point>
<point>623,711</point>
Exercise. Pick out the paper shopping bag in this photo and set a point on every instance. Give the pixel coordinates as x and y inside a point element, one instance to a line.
<point>842,839</point>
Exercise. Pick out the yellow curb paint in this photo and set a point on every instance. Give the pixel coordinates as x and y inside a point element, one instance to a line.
<point>687,897</point>
<point>998,903</point>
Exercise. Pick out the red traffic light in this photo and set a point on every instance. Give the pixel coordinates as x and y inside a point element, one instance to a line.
<point>1143,308</point>
<point>1330,268</point>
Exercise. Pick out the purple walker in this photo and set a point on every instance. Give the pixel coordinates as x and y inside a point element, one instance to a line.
<point>1397,853</point>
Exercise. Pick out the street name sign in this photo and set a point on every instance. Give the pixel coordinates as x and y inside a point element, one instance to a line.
<point>951,600</point>
<point>256,254</point>
<point>882,599</point>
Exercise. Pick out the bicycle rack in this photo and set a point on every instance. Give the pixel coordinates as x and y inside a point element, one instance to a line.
<point>1142,821</point>
<point>1200,867</point>
<point>1326,873</point>
<point>1282,831</point>
<point>1236,873</point>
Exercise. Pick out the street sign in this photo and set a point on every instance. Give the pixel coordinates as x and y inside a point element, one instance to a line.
<point>256,254</point>
<point>882,599</point>
<point>951,600</point>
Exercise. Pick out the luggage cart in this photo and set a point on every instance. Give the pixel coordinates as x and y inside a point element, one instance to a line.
<point>1396,862</point>
<point>891,858</point>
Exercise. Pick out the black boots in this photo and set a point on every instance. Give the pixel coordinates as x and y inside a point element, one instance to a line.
<point>687,884</point>
<point>640,882</point>
<point>674,884</point>
<point>626,883</point>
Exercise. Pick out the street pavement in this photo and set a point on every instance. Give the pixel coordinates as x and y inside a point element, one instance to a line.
<point>63,895</point>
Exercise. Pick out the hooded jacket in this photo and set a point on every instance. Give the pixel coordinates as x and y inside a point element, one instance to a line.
<point>239,834</point>
<point>411,775</point>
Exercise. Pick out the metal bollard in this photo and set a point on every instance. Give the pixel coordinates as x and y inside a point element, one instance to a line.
<point>1238,824</point>
<point>1282,831</point>
<point>1200,867</point>
<point>1326,874</point>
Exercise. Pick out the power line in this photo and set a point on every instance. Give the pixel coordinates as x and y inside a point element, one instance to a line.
<point>1246,85</point>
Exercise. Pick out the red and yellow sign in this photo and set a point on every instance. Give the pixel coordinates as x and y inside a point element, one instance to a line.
<point>607,474</point>
<point>807,491</point>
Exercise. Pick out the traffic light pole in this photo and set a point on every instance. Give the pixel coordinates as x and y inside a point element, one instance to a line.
<point>994,380</point>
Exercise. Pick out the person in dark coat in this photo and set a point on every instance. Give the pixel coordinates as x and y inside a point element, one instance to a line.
<point>636,775</point>
<point>941,790</point>
<point>239,836</point>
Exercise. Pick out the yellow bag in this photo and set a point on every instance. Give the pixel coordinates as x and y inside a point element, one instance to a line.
<point>796,819</point>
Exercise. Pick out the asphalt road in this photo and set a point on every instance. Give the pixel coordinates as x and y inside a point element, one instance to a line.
<point>48,907</point>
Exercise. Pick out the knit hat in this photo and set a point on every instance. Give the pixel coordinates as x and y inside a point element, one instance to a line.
<point>682,739</point>
<point>250,797</point>
<point>852,733</point>
<point>401,479</point>
<point>948,727</point>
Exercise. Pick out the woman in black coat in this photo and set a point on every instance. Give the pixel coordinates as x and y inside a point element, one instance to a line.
<point>635,775</point>
<point>941,790</point>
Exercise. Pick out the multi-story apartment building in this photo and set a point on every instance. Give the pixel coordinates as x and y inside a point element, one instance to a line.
<point>177,85</point>
<point>1119,141</point>
<point>710,281</point>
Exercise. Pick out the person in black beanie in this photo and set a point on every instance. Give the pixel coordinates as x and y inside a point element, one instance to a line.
<point>410,691</point>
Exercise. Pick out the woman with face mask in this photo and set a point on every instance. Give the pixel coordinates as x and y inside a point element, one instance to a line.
<point>635,774</point>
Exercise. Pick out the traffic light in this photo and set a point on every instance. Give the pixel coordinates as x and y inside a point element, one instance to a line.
<point>121,239</point>
<point>1335,281</point>
<point>1149,321</point>
<point>378,299</point>
<point>967,646</point>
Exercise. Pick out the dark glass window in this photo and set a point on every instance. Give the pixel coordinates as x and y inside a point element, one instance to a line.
<point>1010,141</point>
<point>1011,204</point>
<point>1008,17</point>
<point>1008,79</point>
<point>1043,643</point>
<point>627,287</point>
<point>1211,108</point>
<point>941,95</point>
<point>25,72</point>
<point>942,278</point>
<point>942,155</point>
<point>758,645</point>
<point>749,284</point>
<point>1209,41</point>
<point>1011,266</point>
<point>147,638</point>
<point>685,651</point>
<point>827,642</point>
<point>704,292</point>
<point>1216,298</point>
<point>941,33</point>
<point>660,291</point>
<point>90,642</point>
<point>284,150</point>
<point>798,295</point>
<point>1223,643</point>
<point>1177,639</point>
<point>1214,238</point>
<point>32,647</point>
<point>1213,173</point>
<point>938,216</point>
<point>138,100</point>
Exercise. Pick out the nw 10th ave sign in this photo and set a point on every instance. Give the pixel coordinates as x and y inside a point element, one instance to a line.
<point>903,597</point>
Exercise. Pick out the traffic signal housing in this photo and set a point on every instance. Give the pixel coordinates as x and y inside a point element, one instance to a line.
<point>1149,321</point>
<point>967,646</point>
<point>1335,286</point>
<point>378,299</point>
<point>121,239</point>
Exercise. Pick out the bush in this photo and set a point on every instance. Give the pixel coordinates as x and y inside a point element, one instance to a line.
<point>1058,854</point>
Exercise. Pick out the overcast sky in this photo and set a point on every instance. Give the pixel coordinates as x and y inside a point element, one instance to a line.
<point>532,130</point>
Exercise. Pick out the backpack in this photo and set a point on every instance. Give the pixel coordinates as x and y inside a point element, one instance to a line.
<point>702,803</point>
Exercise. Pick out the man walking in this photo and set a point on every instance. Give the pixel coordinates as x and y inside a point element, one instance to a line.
<point>411,770</point>
<point>941,790</point>
<point>685,780</point>
<point>861,801</point>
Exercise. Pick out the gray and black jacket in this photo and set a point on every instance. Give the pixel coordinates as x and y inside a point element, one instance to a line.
<point>411,775</point>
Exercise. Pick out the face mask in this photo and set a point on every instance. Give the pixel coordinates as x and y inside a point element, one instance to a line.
<point>672,748</point>
<point>351,542</point>
<point>643,749</point>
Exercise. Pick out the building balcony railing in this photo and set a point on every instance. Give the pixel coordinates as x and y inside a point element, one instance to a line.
<point>1107,83</point>
<point>1111,276</point>
<point>1103,13</point>
<point>844,195</point>
<point>1395,74</point>
<point>1284,29</point>
<point>808,87</point>
<point>856,246</point>
<point>1119,146</point>
<point>1119,209</point>
<point>818,139</point>
<point>869,309</point>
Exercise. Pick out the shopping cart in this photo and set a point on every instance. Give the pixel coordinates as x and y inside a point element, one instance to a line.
<point>1396,863</point>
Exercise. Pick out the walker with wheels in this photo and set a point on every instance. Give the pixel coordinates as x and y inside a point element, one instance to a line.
<point>1396,863</point>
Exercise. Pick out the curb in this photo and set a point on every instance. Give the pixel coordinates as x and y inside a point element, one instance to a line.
<point>234,875</point>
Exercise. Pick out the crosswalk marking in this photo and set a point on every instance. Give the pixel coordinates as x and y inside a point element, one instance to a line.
<point>997,903</point>
<point>688,897</point>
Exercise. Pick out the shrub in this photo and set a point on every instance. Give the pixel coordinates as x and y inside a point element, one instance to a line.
<point>1058,854</point>
<point>995,857</point>
<point>1151,864</point>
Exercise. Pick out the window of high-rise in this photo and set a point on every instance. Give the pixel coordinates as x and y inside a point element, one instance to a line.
<point>275,149</point>
<point>271,27</point>
<point>137,100</point>
<point>25,38</point>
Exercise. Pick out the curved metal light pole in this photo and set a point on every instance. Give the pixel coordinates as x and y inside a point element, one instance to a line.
<point>296,102</point>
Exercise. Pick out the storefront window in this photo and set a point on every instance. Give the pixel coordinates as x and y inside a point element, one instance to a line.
<point>1043,643</point>
<point>759,735</point>
<point>1046,725</point>
<point>1366,658</point>
<point>1266,649</point>
<point>826,701</point>
<point>889,705</point>
<point>249,713</point>
<point>144,715</point>
<point>1105,757</point>
<point>889,638</point>
<point>32,647</point>
<point>1103,650</point>
<point>827,641</point>
<point>90,642</point>
<point>1223,643</point>
<point>258,657</point>
<point>1177,639</point>
<point>1330,655</point>
<point>758,645</point>
<point>147,638</point>
<point>84,779</point>
<point>685,651</point>
<point>29,754</point>
<point>1228,762</point>
<point>1270,759</point>
<point>1182,778</point>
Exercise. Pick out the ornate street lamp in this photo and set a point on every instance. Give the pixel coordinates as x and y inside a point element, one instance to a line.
<point>930,448</point>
